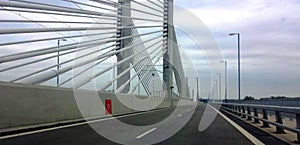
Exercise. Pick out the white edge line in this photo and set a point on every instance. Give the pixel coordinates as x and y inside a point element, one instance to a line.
<point>72,125</point>
<point>142,135</point>
<point>243,131</point>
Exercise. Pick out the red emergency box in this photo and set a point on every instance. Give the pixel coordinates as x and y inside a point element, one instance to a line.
<point>108,106</point>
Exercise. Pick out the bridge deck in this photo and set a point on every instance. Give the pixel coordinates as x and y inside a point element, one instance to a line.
<point>220,132</point>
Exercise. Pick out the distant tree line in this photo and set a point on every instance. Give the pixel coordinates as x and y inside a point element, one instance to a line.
<point>272,98</point>
<point>280,98</point>
<point>249,98</point>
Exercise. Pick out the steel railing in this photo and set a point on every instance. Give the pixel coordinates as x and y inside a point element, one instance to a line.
<point>251,111</point>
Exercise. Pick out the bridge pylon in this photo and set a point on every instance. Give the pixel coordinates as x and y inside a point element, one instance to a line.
<point>167,57</point>
<point>121,33</point>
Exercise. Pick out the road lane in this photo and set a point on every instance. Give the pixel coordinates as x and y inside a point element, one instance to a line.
<point>220,132</point>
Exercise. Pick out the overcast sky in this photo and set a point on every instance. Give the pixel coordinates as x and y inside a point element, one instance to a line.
<point>270,42</point>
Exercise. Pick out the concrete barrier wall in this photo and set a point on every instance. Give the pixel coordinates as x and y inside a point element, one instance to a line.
<point>22,105</point>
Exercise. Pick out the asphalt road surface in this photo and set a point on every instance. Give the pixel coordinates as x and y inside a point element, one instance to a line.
<point>220,132</point>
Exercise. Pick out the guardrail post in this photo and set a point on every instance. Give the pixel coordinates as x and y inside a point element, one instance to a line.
<point>256,115</point>
<point>243,112</point>
<point>234,110</point>
<point>249,113</point>
<point>265,116</point>
<point>278,120</point>
<point>298,127</point>
<point>231,109</point>
<point>239,111</point>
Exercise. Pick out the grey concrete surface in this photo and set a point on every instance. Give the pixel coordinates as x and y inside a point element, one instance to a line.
<point>220,132</point>
<point>22,105</point>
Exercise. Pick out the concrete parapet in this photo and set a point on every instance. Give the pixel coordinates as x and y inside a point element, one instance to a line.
<point>22,105</point>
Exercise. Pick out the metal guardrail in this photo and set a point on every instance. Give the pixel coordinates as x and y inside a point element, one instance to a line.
<point>250,112</point>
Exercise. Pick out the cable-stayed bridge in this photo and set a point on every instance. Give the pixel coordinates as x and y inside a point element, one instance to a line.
<point>106,35</point>
<point>80,69</point>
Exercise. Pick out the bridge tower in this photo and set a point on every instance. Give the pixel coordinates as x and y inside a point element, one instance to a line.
<point>167,58</point>
<point>124,21</point>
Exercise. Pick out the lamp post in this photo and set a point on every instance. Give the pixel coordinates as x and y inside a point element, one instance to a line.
<point>58,45</point>
<point>197,93</point>
<point>171,87</point>
<point>220,85</point>
<point>113,77</point>
<point>239,64</point>
<point>216,86</point>
<point>153,84</point>
<point>226,79</point>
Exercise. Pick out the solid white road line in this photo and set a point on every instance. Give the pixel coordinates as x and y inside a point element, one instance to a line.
<point>243,131</point>
<point>142,135</point>
<point>72,125</point>
<point>179,115</point>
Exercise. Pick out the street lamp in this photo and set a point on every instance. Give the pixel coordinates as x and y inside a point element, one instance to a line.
<point>153,84</point>
<point>171,87</point>
<point>220,83</point>
<point>239,64</point>
<point>216,86</point>
<point>58,45</point>
<point>226,79</point>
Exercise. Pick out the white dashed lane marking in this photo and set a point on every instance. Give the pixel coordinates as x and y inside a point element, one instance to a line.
<point>142,135</point>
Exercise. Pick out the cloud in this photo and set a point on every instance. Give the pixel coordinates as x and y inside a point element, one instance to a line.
<point>269,30</point>
<point>269,40</point>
